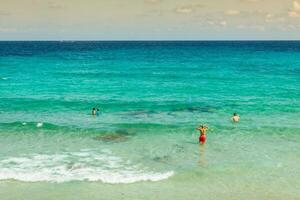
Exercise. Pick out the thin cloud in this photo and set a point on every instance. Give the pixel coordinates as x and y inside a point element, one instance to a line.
<point>251,27</point>
<point>188,8</point>
<point>289,27</point>
<point>223,23</point>
<point>275,18</point>
<point>251,1</point>
<point>4,13</point>
<point>7,30</point>
<point>152,1</point>
<point>259,28</point>
<point>241,26</point>
<point>54,5</point>
<point>293,14</point>
<point>232,12</point>
<point>184,10</point>
<point>296,6</point>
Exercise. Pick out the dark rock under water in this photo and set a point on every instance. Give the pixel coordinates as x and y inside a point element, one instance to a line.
<point>122,132</point>
<point>111,138</point>
<point>119,135</point>
<point>164,158</point>
<point>196,109</point>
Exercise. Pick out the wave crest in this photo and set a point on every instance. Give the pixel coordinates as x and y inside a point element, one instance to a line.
<point>84,165</point>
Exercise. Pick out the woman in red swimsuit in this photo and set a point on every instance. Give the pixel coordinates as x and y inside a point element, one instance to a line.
<point>202,129</point>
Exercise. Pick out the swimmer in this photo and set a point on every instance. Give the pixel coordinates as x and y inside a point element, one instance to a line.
<point>94,111</point>
<point>235,117</point>
<point>202,129</point>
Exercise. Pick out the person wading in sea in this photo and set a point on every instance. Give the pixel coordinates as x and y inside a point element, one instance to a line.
<point>94,111</point>
<point>235,117</point>
<point>202,129</point>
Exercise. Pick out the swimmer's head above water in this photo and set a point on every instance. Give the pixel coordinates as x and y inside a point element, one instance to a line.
<point>203,126</point>
<point>235,117</point>
<point>94,111</point>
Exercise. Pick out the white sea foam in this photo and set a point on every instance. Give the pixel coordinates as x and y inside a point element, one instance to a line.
<point>77,166</point>
<point>39,124</point>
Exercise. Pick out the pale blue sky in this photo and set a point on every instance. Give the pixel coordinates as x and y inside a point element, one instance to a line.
<point>149,19</point>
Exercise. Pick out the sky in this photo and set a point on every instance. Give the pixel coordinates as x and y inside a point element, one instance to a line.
<point>149,19</point>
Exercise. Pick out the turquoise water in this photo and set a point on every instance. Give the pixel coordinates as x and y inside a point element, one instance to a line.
<point>151,96</point>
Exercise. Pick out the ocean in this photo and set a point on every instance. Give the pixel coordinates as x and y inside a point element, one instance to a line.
<point>151,95</point>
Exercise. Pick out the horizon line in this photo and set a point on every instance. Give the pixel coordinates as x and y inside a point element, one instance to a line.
<point>146,40</point>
